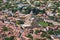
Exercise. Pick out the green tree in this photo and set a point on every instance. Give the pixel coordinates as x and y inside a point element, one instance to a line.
<point>57,32</point>
<point>0,1</point>
<point>50,32</point>
<point>26,9</point>
<point>37,3</point>
<point>46,35</point>
<point>9,38</point>
<point>30,36</point>
<point>5,28</point>
<point>37,31</point>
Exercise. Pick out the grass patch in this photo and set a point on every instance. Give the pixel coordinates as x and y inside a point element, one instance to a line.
<point>44,24</point>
